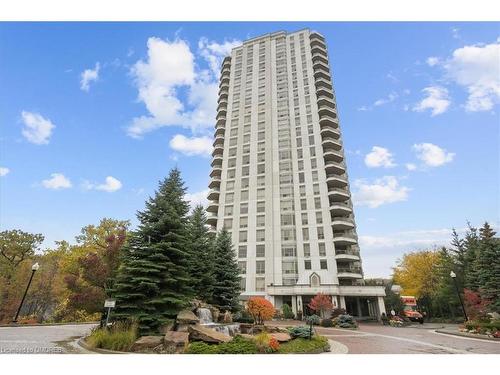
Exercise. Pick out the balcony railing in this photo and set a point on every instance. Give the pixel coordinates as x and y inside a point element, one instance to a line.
<point>320,57</point>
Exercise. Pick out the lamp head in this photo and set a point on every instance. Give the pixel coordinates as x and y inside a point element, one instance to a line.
<point>453,274</point>
<point>35,267</point>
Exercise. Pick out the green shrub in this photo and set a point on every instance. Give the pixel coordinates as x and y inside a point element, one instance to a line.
<point>287,312</point>
<point>299,331</point>
<point>239,345</point>
<point>494,325</point>
<point>119,337</point>
<point>302,345</point>
<point>345,321</point>
<point>243,317</point>
<point>314,319</point>
<point>326,323</point>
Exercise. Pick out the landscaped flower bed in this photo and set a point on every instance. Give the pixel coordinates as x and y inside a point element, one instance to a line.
<point>490,329</point>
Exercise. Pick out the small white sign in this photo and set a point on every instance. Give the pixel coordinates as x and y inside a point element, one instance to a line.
<point>109,303</point>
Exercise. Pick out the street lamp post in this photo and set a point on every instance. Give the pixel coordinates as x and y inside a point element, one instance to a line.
<point>34,268</point>
<point>453,275</point>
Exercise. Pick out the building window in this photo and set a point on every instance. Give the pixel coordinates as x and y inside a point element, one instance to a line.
<point>304,218</point>
<point>305,234</point>
<point>243,267</point>
<point>322,249</point>
<point>228,210</point>
<point>261,206</point>
<point>244,208</point>
<point>287,234</point>
<point>260,251</point>
<point>260,284</point>
<point>316,189</point>
<point>228,223</point>
<point>243,236</point>
<point>242,252</point>
<point>230,185</point>
<point>229,197</point>
<point>245,171</point>
<point>289,267</point>
<point>243,222</point>
<point>244,183</point>
<point>260,235</point>
<point>307,250</point>
<point>243,284</point>
<point>321,233</point>
<point>231,173</point>
<point>260,267</point>
<point>303,204</point>
<point>261,221</point>
<point>261,193</point>
<point>307,264</point>
<point>323,265</point>
<point>244,195</point>
<point>317,203</point>
<point>319,217</point>
<point>288,251</point>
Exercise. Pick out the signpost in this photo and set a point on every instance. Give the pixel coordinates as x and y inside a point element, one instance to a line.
<point>109,303</point>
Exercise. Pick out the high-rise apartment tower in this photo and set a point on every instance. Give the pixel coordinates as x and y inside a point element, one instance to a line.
<point>279,181</point>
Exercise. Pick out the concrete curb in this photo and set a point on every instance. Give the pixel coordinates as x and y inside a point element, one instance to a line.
<point>45,324</point>
<point>467,335</point>
<point>337,348</point>
<point>81,342</point>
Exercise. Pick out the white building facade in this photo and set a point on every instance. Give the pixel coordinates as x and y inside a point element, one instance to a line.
<point>279,182</point>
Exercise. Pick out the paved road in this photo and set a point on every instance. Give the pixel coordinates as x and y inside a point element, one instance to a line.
<point>378,339</point>
<point>43,339</point>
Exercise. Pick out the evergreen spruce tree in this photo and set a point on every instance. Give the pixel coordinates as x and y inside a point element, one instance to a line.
<point>471,243</point>
<point>153,282</point>
<point>488,266</point>
<point>226,273</point>
<point>201,262</point>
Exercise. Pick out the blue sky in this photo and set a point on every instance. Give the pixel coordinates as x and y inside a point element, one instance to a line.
<point>87,128</point>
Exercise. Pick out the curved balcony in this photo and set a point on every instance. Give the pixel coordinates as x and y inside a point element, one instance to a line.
<point>326,110</point>
<point>216,172</point>
<point>332,155</point>
<point>323,91</point>
<point>347,255</point>
<point>213,207</point>
<point>221,120</point>
<point>213,194</point>
<point>222,103</point>
<point>226,62</point>
<point>316,35</point>
<point>329,121</point>
<point>340,208</point>
<point>341,222</point>
<point>221,112</point>
<point>219,140</point>
<point>226,69</point>
<point>223,96</point>
<point>323,82</point>
<point>214,183</point>
<point>217,161</point>
<point>319,56</point>
<point>212,220</point>
<point>224,83</point>
<point>321,64</point>
<point>320,73</point>
<point>329,131</point>
<point>336,180</point>
<point>324,100</point>
<point>318,48</point>
<point>220,130</point>
<point>218,150</point>
<point>338,195</point>
<point>336,144</point>
<point>349,273</point>
<point>344,238</point>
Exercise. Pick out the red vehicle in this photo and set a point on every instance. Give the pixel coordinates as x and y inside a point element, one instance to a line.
<point>410,309</point>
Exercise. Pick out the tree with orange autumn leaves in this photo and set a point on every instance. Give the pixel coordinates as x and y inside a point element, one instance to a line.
<point>260,309</point>
<point>321,303</point>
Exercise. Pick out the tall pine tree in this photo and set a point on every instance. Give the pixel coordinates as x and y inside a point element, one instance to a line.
<point>226,273</point>
<point>153,282</point>
<point>201,255</point>
<point>488,266</point>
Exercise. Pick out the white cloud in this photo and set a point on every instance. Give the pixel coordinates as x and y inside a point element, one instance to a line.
<point>383,191</point>
<point>477,68</point>
<point>431,61</point>
<point>192,146</point>
<point>455,32</point>
<point>379,157</point>
<point>110,185</point>
<point>88,76</point>
<point>197,198</point>
<point>410,166</point>
<point>4,171</point>
<point>432,155</point>
<point>390,98</point>
<point>437,100</point>
<point>169,69</point>
<point>57,181</point>
<point>37,129</point>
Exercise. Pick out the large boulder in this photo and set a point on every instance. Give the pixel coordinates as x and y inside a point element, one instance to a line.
<point>201,333</point>
<point>281,336</point>
<point>147,343</point>
<point>175,342</point>
<point>187,317</point>
<point>273,329</point>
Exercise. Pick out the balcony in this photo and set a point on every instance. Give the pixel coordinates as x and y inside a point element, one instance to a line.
<point>331,155</point>
<point>213,194</point>
<point>346,255</point>
<point>218,150</point>
<point>329,121</point>
<point>213,207</point>
<point>324,100</point>
<point>329,131</point>
<point>319,57</point>
<point>226,63</point>
<point>315,35</point>
<point>223,93</point>
<point>349,273</point>
<point>326,110</point>
<point>214,183</point>
<point>221,112</point>
<point>320,73</point>
<point>212,220</point>
<point>220,131</point>
<point>318,48</point>
<point>342,222</point>
<point>344,238</point>
<point>336,144</point>
<point>219,140</point>
<point>222,104</point>
<point>221,120</point>
<point>335,180</point>
<point>323,91</point>
<point>340,208</point>
<point>224,83</point>
<point>216,172</point>
<point>323,82</point>
<point>338,195</point>
<point>217,161</point>
<point>320,64</point>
